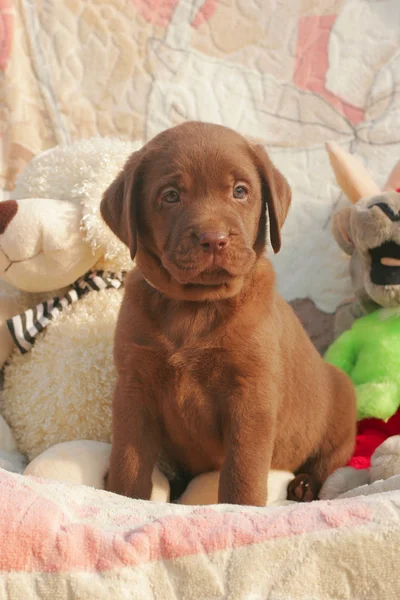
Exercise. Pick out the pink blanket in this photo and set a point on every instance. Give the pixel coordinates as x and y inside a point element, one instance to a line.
<point>60,541</point>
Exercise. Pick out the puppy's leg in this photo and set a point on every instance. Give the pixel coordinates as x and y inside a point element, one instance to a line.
<point>336,446</point>
<point>136,441</point>
<point>244,474</point>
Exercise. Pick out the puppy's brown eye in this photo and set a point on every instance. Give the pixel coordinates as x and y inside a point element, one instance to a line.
<point>171,197</point>
<point>240,192</point>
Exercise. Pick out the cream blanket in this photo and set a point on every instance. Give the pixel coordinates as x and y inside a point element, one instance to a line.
<point>75,542</point>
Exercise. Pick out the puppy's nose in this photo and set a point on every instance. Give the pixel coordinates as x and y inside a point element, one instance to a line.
<point>8,210</point>
<point>214,240</point>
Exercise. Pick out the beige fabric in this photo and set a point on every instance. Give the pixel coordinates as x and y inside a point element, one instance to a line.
<point>75,542</point>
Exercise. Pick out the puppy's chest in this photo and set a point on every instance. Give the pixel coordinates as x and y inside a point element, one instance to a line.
<point>196,410</point>
<point>203,372</point>
<point>210,369</point>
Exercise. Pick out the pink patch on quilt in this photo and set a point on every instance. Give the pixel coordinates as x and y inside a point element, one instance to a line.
<point>6,31</point>
<point>160,12</point>
<point>205,13</point>
<point>40,535</point>
<point>312,63</point>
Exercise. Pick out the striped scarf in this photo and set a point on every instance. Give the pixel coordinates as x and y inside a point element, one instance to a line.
<point>25,327</point>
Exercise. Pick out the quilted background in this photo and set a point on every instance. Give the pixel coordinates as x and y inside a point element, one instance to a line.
<point>292,73</point>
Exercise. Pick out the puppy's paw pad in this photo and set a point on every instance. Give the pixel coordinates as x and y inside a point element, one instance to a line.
<point>303,488</point>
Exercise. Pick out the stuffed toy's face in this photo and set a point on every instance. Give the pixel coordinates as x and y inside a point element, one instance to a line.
<point>369,232</point>
<point>42,247</point>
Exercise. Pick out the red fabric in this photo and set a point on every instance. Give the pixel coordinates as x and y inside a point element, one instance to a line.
<point>371,433</point>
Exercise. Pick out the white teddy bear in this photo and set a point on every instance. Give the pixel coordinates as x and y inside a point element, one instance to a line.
<point>62,272</point>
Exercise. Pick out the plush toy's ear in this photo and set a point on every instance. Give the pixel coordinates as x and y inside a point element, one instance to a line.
<point>393,182</point>
<point>341,230</point>
<point>351,175</point>
<point>276,194</point>
<point>118,206</point>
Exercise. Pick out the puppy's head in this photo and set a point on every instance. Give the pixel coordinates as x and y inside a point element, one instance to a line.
<point>193,206</point>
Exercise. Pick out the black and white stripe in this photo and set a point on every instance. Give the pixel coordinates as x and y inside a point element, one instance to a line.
<point>25,327</point>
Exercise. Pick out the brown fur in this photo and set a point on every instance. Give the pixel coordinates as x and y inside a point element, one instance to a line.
<point>213,366</point>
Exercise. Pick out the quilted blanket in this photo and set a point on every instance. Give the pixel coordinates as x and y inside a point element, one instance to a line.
<point>293,74</point>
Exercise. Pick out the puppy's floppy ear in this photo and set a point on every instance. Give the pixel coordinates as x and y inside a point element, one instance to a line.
<point>118,206</point>
<point>276,195</point>
<point>341,230</point>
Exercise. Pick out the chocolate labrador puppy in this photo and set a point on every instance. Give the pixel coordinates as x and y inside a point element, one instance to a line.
<point>213,366</point>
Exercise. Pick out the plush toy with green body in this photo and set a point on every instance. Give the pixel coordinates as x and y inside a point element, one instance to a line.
<point>368,231</point>
<point>370,354</point>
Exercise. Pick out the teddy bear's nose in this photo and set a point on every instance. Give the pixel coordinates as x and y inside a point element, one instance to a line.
<point>8,210</point>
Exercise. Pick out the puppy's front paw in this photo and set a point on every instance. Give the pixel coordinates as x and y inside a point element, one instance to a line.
<point>303,488</point>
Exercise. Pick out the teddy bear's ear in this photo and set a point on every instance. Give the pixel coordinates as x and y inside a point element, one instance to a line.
<point>351,175</point>
<point>118,206</point>
<point>393,182</point>
<point>341,230</point>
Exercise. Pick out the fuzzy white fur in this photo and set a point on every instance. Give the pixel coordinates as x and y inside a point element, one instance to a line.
<point>61,390</point>
<point>79,174</point>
